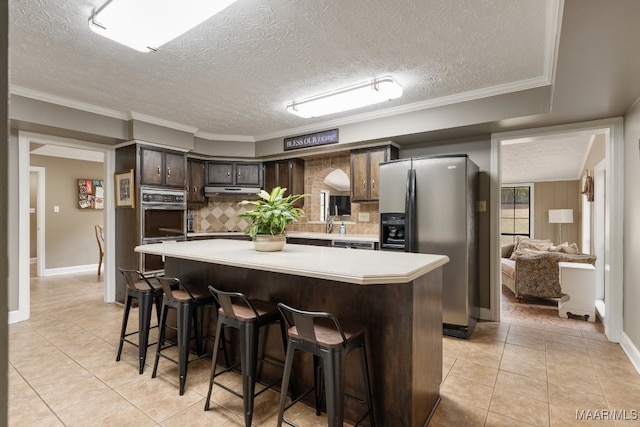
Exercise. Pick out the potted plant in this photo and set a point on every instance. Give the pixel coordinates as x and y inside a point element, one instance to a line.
<point>269,218</point>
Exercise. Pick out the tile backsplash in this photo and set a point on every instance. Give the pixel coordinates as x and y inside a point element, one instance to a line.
<point>221,214</point>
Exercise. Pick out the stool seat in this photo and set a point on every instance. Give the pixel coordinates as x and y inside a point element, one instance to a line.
<point>329,341</point>
<point>327,335</point>
<point>257,309</point>
<point>148,293</point>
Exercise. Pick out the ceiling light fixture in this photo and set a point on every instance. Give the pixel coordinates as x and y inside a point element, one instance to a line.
<point>360,95</point>
<point>145,25</point>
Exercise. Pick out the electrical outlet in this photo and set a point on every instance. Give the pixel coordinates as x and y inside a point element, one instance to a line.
<point>363,217</point>
<point>481,206</point>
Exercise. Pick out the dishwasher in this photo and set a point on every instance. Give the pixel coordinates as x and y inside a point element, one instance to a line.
<point>353,244</point>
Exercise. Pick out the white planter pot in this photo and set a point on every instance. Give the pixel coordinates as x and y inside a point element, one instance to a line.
<point>269,243</point>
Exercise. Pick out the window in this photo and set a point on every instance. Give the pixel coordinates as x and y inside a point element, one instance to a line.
<point>515,213</point>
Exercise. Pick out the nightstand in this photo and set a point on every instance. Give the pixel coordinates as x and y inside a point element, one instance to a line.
<point>578,282</point>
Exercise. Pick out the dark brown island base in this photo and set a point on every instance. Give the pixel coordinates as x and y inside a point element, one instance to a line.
<point>395,296</point>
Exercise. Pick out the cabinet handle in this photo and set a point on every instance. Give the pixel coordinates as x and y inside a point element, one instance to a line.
<point>373,185</point>
<point>364,185</point>
<point>168,172</point>
<point>158,170</point>
<point>195,190</point>
<point>228,172</point>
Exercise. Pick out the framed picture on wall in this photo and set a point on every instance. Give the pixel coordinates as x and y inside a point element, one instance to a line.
<point>90,193</point>
<point>124,189</point>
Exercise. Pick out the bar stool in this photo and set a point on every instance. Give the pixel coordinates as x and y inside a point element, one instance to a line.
<point>248,316</point>
<point>146,293</point>
<point>322,335</point>
<point>188,304</point>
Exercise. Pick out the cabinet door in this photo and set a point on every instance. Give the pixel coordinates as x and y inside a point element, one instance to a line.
<point>359,176</point>
<point>284,180</point>
<point>375,158</point>
<point>195,181</point>
<point>174,173</point>
<point>296,179</point>
<point>270,177</point>
<point>248,174</point>
<point>151,168</point>
<point>220,173</point>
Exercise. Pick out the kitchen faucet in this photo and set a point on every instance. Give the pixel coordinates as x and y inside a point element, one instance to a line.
<point>329,224</point>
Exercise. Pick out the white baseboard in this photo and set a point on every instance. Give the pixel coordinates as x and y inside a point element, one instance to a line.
<point>72,269</point>
<point>631,350</point>
<point>16,316</point>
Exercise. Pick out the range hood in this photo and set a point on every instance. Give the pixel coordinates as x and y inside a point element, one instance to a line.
<point>230,190</point>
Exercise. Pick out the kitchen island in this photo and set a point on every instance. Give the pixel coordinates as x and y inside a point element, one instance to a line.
<point>395,296</point>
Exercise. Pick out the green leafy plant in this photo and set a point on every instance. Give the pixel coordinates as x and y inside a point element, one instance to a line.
<point>272,212</point>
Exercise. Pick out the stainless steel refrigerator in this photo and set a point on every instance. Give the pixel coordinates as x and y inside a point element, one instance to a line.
<point>427,205</point>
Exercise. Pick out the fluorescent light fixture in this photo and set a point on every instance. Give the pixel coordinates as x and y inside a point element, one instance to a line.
<point>360,95</point>
<point>145,25</point>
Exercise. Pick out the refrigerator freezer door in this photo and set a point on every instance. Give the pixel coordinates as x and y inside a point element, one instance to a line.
<point>393,185</point>
<point>442,228</point>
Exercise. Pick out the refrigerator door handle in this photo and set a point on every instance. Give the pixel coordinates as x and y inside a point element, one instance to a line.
<point>410,209</point>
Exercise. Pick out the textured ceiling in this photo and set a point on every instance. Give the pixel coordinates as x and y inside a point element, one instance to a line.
<point>233,75</point>
<point>550,158</point>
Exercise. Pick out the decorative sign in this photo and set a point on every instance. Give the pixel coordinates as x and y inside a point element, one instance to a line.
<point>311,140</point>
<point>90,194</point>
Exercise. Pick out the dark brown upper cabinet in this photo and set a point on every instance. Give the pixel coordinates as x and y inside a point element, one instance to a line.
<point>247,174</point>
<point>162,167</point>
<point>365,170</point>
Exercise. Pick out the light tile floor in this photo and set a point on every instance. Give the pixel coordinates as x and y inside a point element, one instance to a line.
<point>532,368</point>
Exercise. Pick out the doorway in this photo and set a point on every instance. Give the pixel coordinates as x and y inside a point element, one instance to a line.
<point>613,212</point>
<point>25,141</point>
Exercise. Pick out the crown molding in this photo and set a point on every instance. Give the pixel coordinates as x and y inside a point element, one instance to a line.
<point>161,122</point>
<point>220,137</point>
<point>66,102</point>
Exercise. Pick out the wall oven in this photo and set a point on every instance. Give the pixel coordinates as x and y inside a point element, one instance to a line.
<point>162,219</point>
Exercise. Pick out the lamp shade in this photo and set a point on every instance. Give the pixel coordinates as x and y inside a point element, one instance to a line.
<point>560,216</point>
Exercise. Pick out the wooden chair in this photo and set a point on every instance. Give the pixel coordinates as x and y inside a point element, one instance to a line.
<point>100,239</point>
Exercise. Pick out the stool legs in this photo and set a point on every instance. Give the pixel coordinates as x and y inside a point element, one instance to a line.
<point>125,320</point>
<point>184,317</point>
<point>333,364</point>
<point>286,378</point>
<point>329,376</point>
<point>249,354</point>
<point>216,345</point>
<point>365,373</point>
<point>145,306</point>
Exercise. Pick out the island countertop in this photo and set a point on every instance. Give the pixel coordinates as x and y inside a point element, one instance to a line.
<point>336,264</point>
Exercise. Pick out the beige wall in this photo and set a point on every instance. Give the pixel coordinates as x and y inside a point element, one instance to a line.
<point>69,234</point>
<point>631,279</point>
<point>557,195</point>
